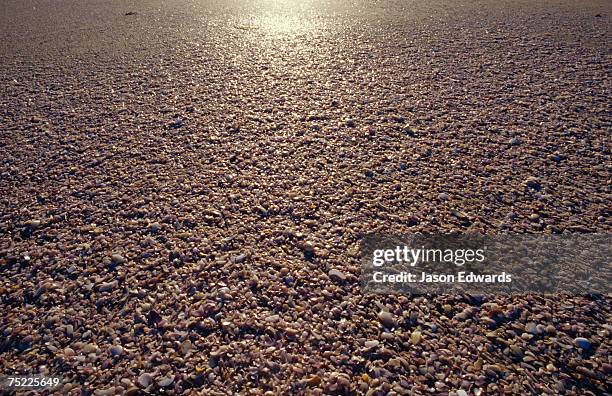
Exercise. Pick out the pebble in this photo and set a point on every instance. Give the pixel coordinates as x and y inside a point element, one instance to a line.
<point>531,328</point>
<point>273,318</point>
<point>90,348</point>
<point>308,248</point>
<point>165,382</point>
<point>118,259</point>
<point>313,381</point>
<point>186,347</point>
<point>177,123</point>
<point>465,314</point>
<point>386,319</point>
<point>145,380</point>
<point>116,350</point>
<point>104,287</point>
<point>105,392</point>
<point>582,343</point>
<point>408,131</point>
<point>335,274</point>
<point>532,183</point>
<point>132,391</point>
<point>154,227</point>
<point>371,344</point>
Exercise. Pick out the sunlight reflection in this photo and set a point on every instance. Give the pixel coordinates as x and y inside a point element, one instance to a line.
<point>282,18</point>
<point>279,24</point>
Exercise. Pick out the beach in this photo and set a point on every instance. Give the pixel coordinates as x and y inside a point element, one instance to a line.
<point>184,186</point>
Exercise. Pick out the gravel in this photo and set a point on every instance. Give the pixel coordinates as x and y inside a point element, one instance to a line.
<point>183,187</point>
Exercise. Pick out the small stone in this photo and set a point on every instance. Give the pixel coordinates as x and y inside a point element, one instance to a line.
<point>337,275</point>
<point>533,183</point>
<point>145,380</point>
<point>117,259</point>
<point>105,392</point>
<point>133,391</point>
<point>34,223</point>
<point>465,314</point>
<point>582,342</point>
<point>459,214</point>
<point>515,141</point>
<point>313,381</point>
<point>461,392</point>
<point>177,123</point>
<point>531,328</point>
<point>443,196</point>
<point>386,319</point>
<point>308,248</point>
<point>291,332</point>
<point>116,350</point>
<point>371,344</point>
<point>104,287</point>
<point>350,123</point>
<point>516,350</point>
<point>186,347</point>
<point>409,132</point>
<point>415,337</point>
<point>165,382</point>
<point>90,348</point>
<point>395,363</point>
<point>273,318</point>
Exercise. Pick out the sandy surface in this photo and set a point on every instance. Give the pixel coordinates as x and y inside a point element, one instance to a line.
<point>176,185</point>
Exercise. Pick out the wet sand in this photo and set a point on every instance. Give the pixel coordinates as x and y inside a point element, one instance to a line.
<point>183,188</point>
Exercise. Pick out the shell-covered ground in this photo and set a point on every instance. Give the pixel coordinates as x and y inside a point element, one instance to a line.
<point>184,185</point>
